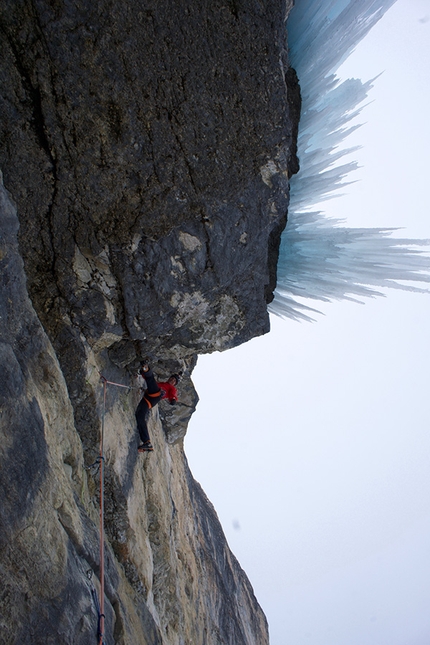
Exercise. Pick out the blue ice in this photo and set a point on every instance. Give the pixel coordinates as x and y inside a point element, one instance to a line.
<point>320,258</point>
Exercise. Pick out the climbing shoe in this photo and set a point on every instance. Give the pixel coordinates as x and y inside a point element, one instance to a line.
<point>145,447</point>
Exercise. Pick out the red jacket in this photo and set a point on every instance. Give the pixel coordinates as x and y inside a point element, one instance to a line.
<point>169,391</point>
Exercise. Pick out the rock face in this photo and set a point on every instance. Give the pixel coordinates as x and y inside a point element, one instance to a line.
<point>147,146</point>
<point>170,576</point>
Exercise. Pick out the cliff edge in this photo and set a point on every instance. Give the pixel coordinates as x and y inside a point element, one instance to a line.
<point>146,149</point>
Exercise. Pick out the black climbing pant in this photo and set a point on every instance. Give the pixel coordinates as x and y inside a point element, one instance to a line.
<point>151,397</point>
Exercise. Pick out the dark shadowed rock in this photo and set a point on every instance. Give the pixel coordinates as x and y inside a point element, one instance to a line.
<point>148,147</point>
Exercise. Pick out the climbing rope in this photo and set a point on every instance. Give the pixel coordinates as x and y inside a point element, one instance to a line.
<point>127,387</point>
<point>101,625</point>
<point>101,461</point>
<point>96,601</point>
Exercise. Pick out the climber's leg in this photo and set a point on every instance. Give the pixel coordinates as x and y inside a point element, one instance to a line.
<point>141,414</point>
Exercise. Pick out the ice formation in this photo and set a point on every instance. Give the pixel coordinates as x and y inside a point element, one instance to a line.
<point>320,259</point>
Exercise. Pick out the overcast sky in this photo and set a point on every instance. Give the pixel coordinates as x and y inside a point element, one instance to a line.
<point>319,464</point>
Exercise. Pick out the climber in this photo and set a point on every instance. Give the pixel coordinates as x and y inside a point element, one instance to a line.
<point>151,396</point>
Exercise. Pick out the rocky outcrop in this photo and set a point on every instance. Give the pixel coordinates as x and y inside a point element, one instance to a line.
<point>170,576</point>
<point>147,147</point>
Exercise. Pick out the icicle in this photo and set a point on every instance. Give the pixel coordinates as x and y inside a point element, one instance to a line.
<point>319,258</point>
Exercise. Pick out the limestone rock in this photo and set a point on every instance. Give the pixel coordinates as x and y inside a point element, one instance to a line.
<point>170,577</point>
<point>148,147</point>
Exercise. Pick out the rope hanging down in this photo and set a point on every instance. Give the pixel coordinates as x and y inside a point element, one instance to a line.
<point>101,625</point>
<point>101,460</point>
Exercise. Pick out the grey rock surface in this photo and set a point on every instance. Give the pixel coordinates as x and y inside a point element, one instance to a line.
<point>170,577</point>
<point>147,146</point>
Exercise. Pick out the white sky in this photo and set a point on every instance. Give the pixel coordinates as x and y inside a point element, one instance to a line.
<point>313,441</point>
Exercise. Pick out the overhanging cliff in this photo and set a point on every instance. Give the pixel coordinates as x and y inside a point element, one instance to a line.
<point>147,146</point>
